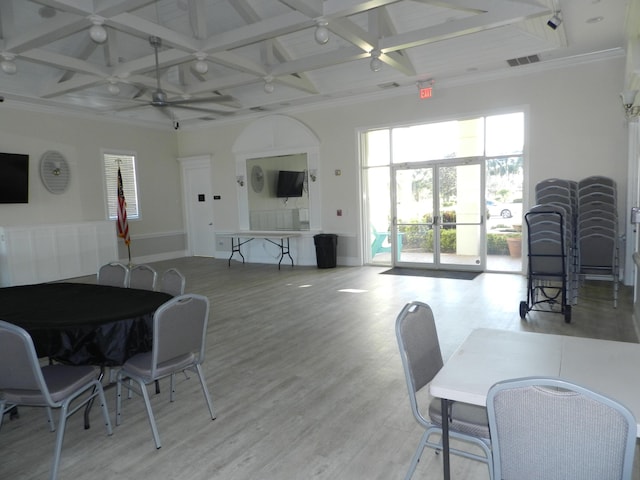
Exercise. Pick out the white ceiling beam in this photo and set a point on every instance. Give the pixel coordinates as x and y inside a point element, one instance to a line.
<point>300,83</point>
<point>64,62</point>
<point>111,48</point>
<point>321,60</point>
<point>85,53</point>
<point>257,32</point>
<point>399,61</point>
<point>78,7</point>
<point>166,58</point>
<point>343,8</point>
<point>78,82</point>
<point>237,62</point>
<point>304,8</point>
<point>110,8</point>
<point>198,19</point>
<point>456,28</point>
<point>62,25</point>
<point>229,81</point>
<point>272,50</point>
<point>140,27</point>
<point>471,6</point>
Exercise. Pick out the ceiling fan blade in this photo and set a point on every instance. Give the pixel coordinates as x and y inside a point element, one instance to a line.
<point>166,112</point>
<point>217,99</point>
<point>205,110</point>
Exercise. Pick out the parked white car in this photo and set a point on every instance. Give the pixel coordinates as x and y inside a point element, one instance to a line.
<point>504,210</point>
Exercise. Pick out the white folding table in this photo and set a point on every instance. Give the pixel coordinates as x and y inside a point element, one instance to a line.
<point>488,356</point>
<point>280,240</point>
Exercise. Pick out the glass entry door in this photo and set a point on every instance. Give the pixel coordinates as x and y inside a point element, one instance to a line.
<point>438,215</point>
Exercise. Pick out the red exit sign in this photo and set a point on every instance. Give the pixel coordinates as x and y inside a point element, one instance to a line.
<point>426,92</point>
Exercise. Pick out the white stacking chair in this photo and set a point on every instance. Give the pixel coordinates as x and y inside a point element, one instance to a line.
<point>551,429</point>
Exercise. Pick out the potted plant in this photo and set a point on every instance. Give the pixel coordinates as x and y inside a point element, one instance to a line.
<point>514,243</point>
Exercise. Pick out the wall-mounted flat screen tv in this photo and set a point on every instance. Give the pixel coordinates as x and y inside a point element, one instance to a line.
<point>290,184</point>
<point>14,178</point>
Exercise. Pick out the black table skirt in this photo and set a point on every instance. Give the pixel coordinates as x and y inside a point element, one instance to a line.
<point>82,323</point>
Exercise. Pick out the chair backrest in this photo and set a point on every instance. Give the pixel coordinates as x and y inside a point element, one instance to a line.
<point>20,372</point>
<point>143,277</point>
<point>172,282</point>
<point>548,428</point>
<point>179,329</point>
<point>114,274</point>
<point>419,349</point>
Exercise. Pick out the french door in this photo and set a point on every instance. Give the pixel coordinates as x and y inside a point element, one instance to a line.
<point>438,214</point>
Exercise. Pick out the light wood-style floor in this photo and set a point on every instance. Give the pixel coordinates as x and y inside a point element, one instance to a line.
<point>305,376</point>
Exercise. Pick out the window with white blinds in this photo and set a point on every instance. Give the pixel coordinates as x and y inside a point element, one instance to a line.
<point>127,164</point>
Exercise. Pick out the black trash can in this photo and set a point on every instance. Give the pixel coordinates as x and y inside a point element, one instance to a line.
<point>326,249</point>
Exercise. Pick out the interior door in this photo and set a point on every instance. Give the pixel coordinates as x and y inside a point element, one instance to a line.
<point>198,201</point>
<point>438,215</point>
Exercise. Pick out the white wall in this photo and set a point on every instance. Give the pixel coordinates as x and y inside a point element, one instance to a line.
<point>576,129</point>
<point>80,140</point>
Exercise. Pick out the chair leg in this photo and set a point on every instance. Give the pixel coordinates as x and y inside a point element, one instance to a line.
<point>50,421</point>
<point>59,439</point>
<point>416,456</point>
<point>205,391</point>
<point>172,387</point>
<point>152,420</point>
<point>118,399</point>
<point>105,412</point>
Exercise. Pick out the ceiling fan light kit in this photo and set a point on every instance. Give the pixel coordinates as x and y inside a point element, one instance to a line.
<point>7,64</point>
<point>97,32</point>
<point>322,33</point>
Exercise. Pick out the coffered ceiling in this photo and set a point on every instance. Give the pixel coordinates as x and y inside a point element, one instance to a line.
<point>227,59</point>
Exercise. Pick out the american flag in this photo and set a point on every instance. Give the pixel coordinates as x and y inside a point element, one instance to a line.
<point>122,224</point>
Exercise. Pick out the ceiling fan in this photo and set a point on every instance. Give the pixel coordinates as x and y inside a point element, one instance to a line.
<point>160,99</point>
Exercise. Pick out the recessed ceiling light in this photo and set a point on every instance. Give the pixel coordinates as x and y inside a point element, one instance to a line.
<point>595,19</point>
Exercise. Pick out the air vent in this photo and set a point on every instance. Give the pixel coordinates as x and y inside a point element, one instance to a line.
<point>516,62</point>
<point>384,86</point>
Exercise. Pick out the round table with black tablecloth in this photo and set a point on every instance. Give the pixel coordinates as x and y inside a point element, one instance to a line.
<point>83,324</point>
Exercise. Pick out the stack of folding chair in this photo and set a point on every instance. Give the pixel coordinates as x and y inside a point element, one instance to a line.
<point>597,230</point>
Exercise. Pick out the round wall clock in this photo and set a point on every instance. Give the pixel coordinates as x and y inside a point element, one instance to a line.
<point>257,178</point>
<point>54,172</point>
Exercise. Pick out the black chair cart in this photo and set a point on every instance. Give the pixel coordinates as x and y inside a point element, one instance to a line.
<point>549,271</point>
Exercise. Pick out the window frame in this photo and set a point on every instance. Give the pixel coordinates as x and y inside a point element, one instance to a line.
<point>129,180</point>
